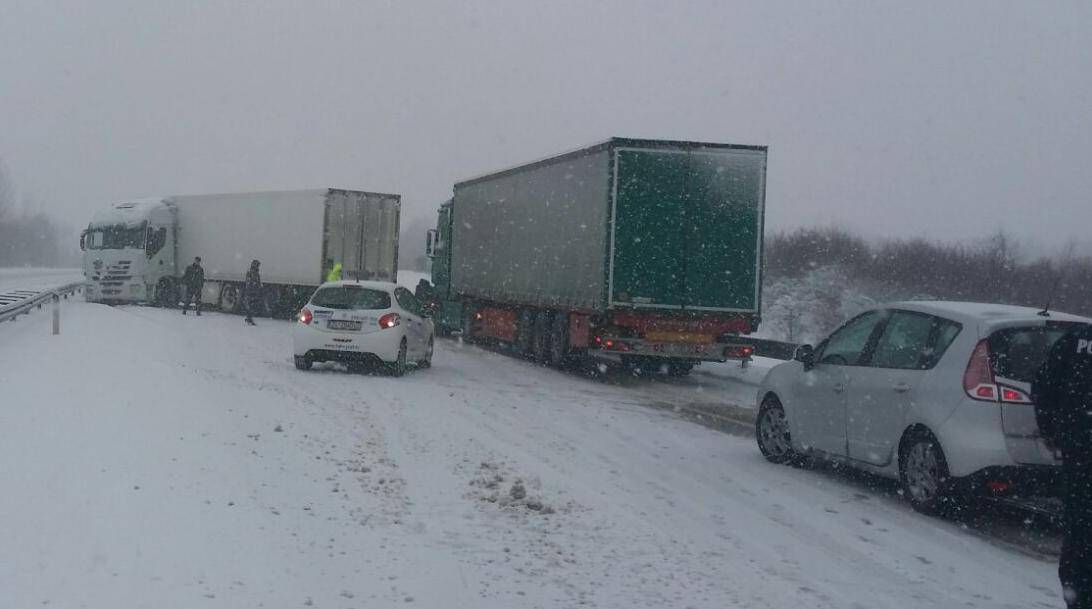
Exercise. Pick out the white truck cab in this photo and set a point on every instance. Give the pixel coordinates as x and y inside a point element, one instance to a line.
<point>129,252</point>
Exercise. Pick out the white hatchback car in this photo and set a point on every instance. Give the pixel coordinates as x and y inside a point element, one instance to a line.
<point>360,323</point>
<point>934,394</point>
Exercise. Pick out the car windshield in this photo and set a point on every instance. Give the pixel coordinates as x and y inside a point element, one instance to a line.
<point>351,297</point>
<point>115,237</point>
<point>1018,353</point>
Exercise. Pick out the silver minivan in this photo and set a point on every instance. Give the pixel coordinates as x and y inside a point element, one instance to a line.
<point>934,394</point>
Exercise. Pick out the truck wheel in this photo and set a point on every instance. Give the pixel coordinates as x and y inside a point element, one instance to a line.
<point>230,298</point>
<point>466,325</point>
<point>303,362</point>
<point>559,340</point>
<point>271,301</point>
<point>525,332</point>
<point>165,296</point>
<point>679,368</point>
<point>542,329</point>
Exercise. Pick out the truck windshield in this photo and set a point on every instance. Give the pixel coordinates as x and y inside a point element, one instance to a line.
<point>351,297</point>
<point>116,237</point>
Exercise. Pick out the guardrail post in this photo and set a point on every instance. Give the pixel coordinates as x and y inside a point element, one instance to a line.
<point>56,314</point>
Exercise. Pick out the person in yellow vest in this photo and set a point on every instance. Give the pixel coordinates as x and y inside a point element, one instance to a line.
<point>335,271</point>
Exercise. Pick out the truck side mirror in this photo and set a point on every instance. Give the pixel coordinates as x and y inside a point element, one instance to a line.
<point>805,354</point>
<point>431,238</point>
<point>83,241</point>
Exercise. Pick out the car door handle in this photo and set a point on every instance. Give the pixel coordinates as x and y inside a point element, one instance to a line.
<point>839,387</point>
<point>901,387</point>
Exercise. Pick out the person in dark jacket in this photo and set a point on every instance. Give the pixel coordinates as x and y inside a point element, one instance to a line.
<point>192,282</point>
<point>252,291</point>
<point>1062,392</point>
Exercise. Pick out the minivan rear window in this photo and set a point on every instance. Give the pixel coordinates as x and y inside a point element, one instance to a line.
<point>1018,353</point>
<point>351,297</point>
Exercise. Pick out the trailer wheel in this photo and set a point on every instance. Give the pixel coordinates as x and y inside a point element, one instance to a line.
<point>272,296</point>
<point>559,340</point>
<point>467,323</point>
<point>679,368</point>
<point>230,298</point>
<point>525,332</point>
<point>542,330</point>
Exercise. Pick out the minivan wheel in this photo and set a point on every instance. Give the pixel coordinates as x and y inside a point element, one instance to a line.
<point>772,432</point>
<point>923,471</point>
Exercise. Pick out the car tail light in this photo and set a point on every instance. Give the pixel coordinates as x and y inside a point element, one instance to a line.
<point>979,381</point>
<point>390,320</point>
<point>305,316</point>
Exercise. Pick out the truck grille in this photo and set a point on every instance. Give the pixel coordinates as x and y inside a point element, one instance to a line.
<point>112,277</point>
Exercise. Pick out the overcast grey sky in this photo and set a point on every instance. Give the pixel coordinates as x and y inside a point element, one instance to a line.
<point>944,119</point>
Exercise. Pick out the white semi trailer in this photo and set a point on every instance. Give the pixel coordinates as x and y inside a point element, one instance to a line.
<point>137,250</point>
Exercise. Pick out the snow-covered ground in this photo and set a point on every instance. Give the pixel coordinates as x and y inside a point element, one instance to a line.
<point>32,278</point>
<point>156,460</point>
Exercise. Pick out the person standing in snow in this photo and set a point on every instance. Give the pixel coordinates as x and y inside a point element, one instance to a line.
<point>1062,393</point>
<point>192,282</point>
<point>335,270</point>
<point>252,290</point>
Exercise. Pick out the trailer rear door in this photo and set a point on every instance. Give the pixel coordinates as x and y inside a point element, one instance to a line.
<point>687,228</point>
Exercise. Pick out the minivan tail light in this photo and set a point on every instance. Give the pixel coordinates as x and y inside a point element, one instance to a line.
<point>390,320</point>
<point>979,381</point>
<point>305,316</point>
<point>978,378</point>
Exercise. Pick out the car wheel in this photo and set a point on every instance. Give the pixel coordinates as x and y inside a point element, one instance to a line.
<point>923,471</point>
<point>303,362</point>
<point>398,368</point>
<point>772,432</point>
<point>426,362</point>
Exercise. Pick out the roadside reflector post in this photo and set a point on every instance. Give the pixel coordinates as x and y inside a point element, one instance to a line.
<point>56,314</point>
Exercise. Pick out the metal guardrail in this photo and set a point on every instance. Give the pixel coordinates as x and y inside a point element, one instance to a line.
<point>20,302</point>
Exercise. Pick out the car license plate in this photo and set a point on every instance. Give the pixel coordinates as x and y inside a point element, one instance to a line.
<point>341,324</point>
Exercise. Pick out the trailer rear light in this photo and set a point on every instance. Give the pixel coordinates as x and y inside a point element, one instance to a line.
<point>305,316</point>
<point>739,351</point>
<point>390,320</point>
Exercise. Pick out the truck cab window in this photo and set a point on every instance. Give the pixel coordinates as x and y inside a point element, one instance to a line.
<point>157,238</point>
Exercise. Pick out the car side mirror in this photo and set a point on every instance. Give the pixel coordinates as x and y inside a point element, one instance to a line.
<point>805,354</point>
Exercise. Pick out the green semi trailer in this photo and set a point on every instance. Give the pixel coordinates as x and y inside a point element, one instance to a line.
<point>644,251</point>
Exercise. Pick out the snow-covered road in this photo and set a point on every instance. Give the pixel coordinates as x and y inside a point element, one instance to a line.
<point>155,460</point>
